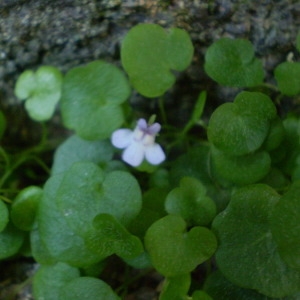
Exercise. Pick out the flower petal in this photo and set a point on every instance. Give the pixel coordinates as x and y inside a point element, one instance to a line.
<point>142,124</point>
<point>154,129</point>
<point>121,138</point>
<point>134,154</point>
<point>155,154</point>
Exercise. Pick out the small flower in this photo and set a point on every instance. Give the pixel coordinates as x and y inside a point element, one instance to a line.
<point>139,144</point>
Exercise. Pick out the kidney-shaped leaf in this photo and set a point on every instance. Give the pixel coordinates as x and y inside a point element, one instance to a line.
<point>247,254</point>
<point>149,54</point>
<point>58,240</point>
<point>241,127</point>
<point>75,149</point>
<point>232,63</point>
<point>240,170</point>
<point>24,207</point>
<point>87,288</point>
<point>91,98</point>
<point>49,280</point>
<point>85,192</point>
<point>287,75</point>
<point>42,89</point>
<point>173,251</point>
<point>11,240</point>
<point>190,202</point>
<point>286,226</point>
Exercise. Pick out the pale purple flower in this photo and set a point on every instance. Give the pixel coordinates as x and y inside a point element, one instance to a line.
<point>139,144</point>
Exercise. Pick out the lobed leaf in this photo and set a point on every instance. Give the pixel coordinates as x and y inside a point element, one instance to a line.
<point>285,226</point>
<point>173,251</point>
<point>149,54</point>
<point>247,254</point>
<point>91,99</point>
<point>190,201</point>
<point>85,192</point>
<point>42,89</point>
<point>241,127</point>
<point>232,63</point>
<point>60,241</point>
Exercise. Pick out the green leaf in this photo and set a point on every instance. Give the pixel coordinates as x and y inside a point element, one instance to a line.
<point>24,207</point>
<point>240,170</point>
<point>3,215</point>
<point>42,89</point>
<point>175,288</point>
<point>11,240</point>
<point>247,254</point>
<point>3,124</point>
<point>199,107</point>
<point>285,226</point>
<point>48,281</point>
<point>290,147</point>
<point>85,192</point>
<point>62,243</point>
<point>109,237</point>
<point>197,112</point>
<point>152,210</point>
<point>232,63</point>
<point>218,287</point>
<point>195,163</point>
<point>287,75</point>
<point>241,127</point>
<point>88,288</point>
<point>190,202</point>
<point>275,136</point>
<point>149,55</point>
<point>173,251</point>
<point>201,295</point>
<point>75,149</point>
<point>276,179</point>
<point>91,98</point>
<point>142,261</point>
<point>39,251</point>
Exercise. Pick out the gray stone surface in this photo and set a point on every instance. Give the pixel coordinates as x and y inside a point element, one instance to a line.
<point>66,33</point>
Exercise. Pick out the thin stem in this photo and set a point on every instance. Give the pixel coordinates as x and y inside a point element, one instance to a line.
<point>162,110</point>
<point>11,169</point>
<point>5,156</point>
<point>5,199</point>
